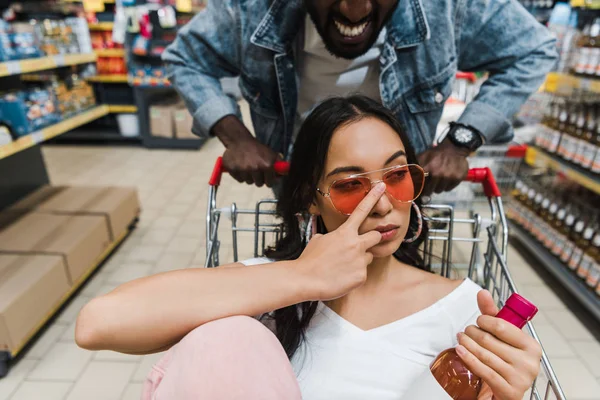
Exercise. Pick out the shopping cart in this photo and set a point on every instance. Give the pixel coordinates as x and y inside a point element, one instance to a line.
<point>447,243</point>
<point>503,160</point>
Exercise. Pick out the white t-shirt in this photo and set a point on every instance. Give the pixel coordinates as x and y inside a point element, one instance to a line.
<point>338,360</point>
<point>323,75</point>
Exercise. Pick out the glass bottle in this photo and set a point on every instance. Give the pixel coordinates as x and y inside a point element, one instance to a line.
<point>587,146</point>
<point>567,245</point>
<point>559,239</point>
<point>452,374</point>
<point>582,52</point>
<point>591,254</point>
<point>594,49</point>
<point>581,246</point>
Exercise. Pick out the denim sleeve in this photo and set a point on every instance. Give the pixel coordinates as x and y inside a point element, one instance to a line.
<point>502,38</point>
<point>206,50</point>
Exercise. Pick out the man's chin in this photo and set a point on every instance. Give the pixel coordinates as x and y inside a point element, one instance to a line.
<point>347,52</point>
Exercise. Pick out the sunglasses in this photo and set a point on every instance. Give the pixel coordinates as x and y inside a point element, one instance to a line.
<point>404,183</point>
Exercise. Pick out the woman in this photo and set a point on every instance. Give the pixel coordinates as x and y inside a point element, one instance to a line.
<point>356,316</point>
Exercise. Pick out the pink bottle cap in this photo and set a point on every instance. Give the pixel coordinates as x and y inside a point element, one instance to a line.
<point>521,306</point>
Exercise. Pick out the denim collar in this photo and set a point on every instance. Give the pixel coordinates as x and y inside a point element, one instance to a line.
<point>278,29</point>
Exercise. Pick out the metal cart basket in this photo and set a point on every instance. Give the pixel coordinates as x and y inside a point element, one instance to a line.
<point>457,245</point>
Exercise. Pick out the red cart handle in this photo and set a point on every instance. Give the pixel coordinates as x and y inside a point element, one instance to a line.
<point>485,177</point>
<point>280,167</point>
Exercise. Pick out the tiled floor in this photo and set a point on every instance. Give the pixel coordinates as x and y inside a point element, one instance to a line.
<point>173,188</point>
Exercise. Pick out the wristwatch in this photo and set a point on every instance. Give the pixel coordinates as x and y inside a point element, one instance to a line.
<point>465,136</point>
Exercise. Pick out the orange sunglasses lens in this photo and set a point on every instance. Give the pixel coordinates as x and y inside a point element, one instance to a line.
<point>404,184</point>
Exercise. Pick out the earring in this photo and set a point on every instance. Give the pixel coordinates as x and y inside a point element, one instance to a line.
<point>420,224</point>
<point>308,226</point>
<point>311,228</point>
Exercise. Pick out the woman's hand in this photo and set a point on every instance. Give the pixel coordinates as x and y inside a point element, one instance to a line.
<point>505,357</point>
<point>337,262</point>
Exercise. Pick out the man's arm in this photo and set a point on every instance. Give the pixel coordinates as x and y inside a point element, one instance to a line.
<point>206,50</point>
<point>502,38</point>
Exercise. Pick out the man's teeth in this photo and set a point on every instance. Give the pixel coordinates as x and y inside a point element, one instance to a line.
<point>351,31</point>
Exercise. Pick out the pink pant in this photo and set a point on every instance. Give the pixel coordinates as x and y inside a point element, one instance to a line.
<point>232,358</point>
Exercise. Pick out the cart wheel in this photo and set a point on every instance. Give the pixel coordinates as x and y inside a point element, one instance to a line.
<point>4,358</point>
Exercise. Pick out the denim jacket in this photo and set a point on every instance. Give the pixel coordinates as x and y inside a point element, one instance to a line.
<point>427,42</point>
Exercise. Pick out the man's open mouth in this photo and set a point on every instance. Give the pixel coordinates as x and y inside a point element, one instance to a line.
<point>351,30</point>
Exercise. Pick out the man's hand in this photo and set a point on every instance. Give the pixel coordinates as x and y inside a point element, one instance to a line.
<point>246,159</point>
<point>447,166</point>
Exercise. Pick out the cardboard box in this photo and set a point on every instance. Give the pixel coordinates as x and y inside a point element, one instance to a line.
<point>30,288</point>
<point>79,239</point>
<point>183,123</point>
<point>118,205</point>
<point>161,120</point>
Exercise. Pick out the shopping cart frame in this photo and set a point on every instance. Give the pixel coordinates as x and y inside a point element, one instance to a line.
<point>492,274</point>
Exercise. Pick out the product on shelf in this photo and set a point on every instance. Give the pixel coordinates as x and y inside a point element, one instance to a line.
<point>571,130</point>
<point>34,39</point>
<point>111,66</point>
<point>26,111</point>
<point>564,218</point>
<point>73,97</point>
<point>18,42</point>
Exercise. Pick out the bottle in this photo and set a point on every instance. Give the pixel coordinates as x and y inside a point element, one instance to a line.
<point>448,368</point>
<point>587,146</point>
<point>582,54</point>
<point>550,218</point>
<point>589,257</point>
<point>596,163</point>
<point>553,133</point>
<point>576,146</point>
<point>543,214</point>
<point>581,247</point>
<point>559,238</point>
<point>594,49</point>
<point>567,245</point>
<point>578,243</point>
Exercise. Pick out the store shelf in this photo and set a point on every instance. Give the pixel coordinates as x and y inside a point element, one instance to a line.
<point>564,84</point>
<point>73,290</point>
<point>577,287</point>
<point>101,26</point>
<point>539,158</point>
<point>48,133</point>
<point>108,79</point>
<point>149,82</point>
<point>44,63</point>
<point>119,109</point>
<point>110,52</point>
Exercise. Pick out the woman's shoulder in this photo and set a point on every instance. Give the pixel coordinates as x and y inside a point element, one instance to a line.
<point>456,298</point>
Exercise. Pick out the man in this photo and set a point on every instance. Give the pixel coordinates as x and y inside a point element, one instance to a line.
<point>290,54</point>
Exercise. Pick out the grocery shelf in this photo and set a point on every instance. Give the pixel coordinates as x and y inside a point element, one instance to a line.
<point>149,82</point>
<point>571,282</point>
<point>108,79</point>
<point>73,289</point>
<point>564,84</point>
<point>539,158</point>
<point>43,63</point>
<point>118,109</point>
<point>49,132</point>
<point>110,52</point>
<point>101,26</point>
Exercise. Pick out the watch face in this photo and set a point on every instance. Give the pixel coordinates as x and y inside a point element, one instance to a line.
<point>463,135</point>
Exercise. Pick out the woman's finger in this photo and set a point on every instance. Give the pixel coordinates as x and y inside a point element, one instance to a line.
<point>506,332</point>
<point>488,357</point>
<point>490,342</point>
<point>363,210</point>
<point>370,239</point>
<point>501,388</point>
